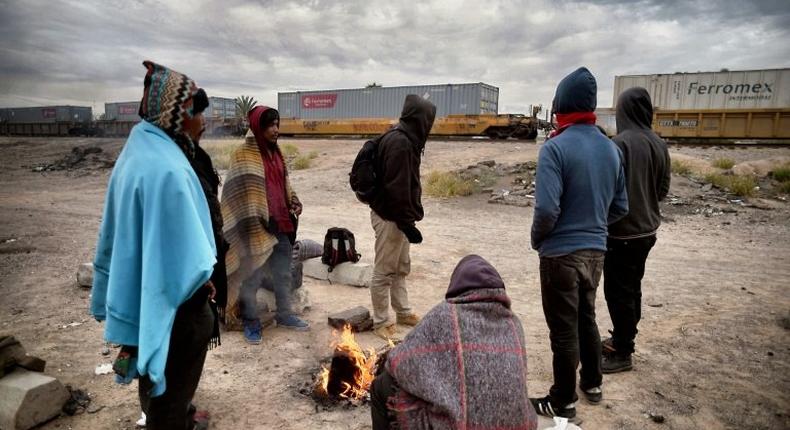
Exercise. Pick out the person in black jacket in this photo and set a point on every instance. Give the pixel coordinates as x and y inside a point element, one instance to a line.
<point>395,210</point>
<point>647,172</point>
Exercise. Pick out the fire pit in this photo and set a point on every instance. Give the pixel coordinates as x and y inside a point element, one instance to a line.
<point>349,373</point>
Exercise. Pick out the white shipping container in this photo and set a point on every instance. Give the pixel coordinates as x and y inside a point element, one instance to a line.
<point>606,119</point>
<point>747,89</point>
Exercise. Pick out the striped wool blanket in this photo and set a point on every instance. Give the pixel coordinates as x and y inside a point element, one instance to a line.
<point>464,366</point>
<point>245,212</point>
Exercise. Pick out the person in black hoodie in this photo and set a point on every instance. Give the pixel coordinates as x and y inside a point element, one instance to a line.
<point>395,210</point>
<point>647,172</point>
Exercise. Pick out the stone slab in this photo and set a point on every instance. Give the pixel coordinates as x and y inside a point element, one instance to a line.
<point>85,275</point>
<point>28,399</point>
<point>300,300</point>
<point>354,274</point>
<point>358,318</point>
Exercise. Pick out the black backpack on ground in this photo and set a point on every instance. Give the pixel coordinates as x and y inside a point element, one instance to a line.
<point>339,247</point>
<point>362,177</point>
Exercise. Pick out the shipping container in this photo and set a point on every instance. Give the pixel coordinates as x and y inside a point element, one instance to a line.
<point>606,119</point>
<point>220,107</point>
<point>46,114</point>
<point>747,89</point>
<point>122,111</point>
<point>387,102</point>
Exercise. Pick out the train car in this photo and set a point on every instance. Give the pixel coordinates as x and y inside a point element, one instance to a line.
<point>469,109</point>
<point>492,126</point>
<point>46,120</point>
<point>717,107</point>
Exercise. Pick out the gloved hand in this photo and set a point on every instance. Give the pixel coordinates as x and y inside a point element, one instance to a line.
<point>411,232</point>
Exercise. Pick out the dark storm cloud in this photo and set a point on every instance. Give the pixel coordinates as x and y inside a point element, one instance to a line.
<point>85,52</point>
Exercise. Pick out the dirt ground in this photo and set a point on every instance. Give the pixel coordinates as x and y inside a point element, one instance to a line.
<point>712,352</point>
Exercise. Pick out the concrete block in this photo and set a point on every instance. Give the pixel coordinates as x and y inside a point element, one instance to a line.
<point>354,274</point>
<point>300,300</point>
<point>85,275</point>
<point>358,318</point>
<point>28,399</point>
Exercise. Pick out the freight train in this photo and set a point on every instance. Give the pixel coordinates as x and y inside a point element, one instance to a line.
<point>718,107</point>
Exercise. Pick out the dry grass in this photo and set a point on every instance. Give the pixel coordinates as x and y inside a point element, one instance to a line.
<point>781,174</point>
<point>447,184</point>
<point>289,150</point>
<point>723,163</point>
<point>740,185</point>
<point>301,162</point>
<point>220,151</point>
<point>681,167</point>
<point>784,187</point>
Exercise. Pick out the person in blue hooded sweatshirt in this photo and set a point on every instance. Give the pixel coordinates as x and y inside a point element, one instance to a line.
<point>156,253</point>
<point>580,190</point>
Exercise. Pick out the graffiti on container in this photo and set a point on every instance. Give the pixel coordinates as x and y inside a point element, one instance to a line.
<point>368,128</point>
<point>48,113</point>
<point>677,123</point>
<point>313,125</point>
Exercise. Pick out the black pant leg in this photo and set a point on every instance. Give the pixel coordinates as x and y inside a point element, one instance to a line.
<point>624,268</point>
<point>589,337</point>
<point>381,391</point>
<point>560,296</point>
<point>188,346</point>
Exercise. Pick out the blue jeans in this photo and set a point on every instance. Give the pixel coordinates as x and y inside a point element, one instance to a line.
<point>275,272</point>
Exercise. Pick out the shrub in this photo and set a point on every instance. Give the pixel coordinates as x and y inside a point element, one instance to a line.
<point>301,162</point>
<point>784,187</point>
<point>740,185</point>
<point>781,174</point>
<point>447,184</point>
<point>289,150</point>
<point>723,163</point>
<point>680,167</point>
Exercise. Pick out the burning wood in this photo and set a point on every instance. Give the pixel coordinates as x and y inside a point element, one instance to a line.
<point>351,371</point>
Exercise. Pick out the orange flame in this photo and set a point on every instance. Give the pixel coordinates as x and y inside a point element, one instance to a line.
<point>365,364</point>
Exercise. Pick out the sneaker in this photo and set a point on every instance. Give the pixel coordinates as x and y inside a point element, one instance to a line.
<point>544,407</point>
<point>615,363</point>
<point>594,395</point>
<point>408,319</point>
<point>385,332</point>
<point>252,331</point>
<point>292,322</point>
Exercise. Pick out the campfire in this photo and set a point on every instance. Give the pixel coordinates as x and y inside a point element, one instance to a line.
<point>351,370</point>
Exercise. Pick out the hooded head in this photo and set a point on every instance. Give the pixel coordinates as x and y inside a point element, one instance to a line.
<point>265,124</point>
<point>634,110</point>
<point>173,102</point>
<point>576,93</point>
<point>473,272</point>
<point>417,119</point>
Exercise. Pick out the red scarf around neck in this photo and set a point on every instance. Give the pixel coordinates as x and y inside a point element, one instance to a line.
<point>565,120</point>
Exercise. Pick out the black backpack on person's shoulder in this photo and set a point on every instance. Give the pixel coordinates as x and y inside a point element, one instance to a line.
<point>362,177</point>
<point>339,247</point>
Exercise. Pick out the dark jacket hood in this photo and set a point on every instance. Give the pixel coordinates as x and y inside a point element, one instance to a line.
<point>417,118</point>
<point>473,272</point>
<point>634,110</point>
<point>576,93</point>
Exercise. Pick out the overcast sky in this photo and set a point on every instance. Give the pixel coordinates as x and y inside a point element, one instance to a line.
<point>87,52</point>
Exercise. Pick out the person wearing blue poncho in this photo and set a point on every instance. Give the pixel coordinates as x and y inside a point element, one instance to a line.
<point>156,252</point>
